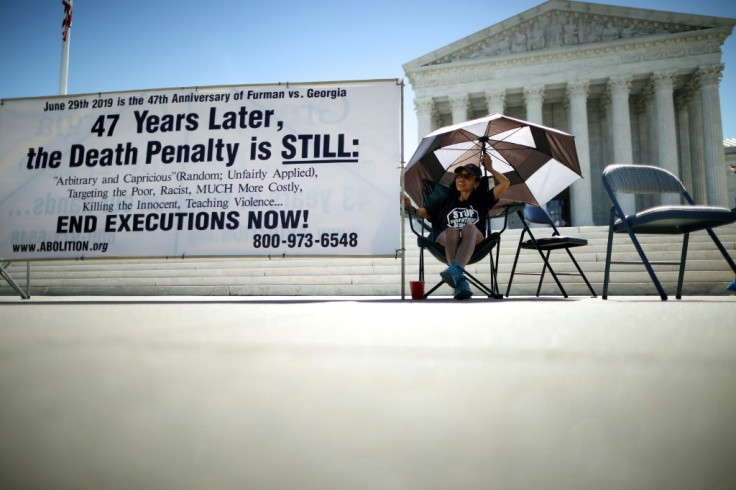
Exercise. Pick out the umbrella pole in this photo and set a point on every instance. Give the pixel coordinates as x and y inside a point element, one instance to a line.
<point>483,142</point>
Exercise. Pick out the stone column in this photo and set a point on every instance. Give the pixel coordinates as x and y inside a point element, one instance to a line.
<point>581,194</point>
<point>715,165</point>
<point>495,101</point>
<point>459,104</point>
<point>621,128</point>
<point>606,128</point>
<point>424,108</point>
<point>534,97</point>
<point>682,101</point>
<point>666,130</point>
<point>699,190</point>
<point>652,149</point>
<point>641,152</point>
<point>648,151</point>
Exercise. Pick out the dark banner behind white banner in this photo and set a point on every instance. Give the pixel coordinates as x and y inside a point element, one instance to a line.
<point>294,169</point>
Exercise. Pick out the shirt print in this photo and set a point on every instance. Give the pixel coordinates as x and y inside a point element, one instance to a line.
<point>459,217</point>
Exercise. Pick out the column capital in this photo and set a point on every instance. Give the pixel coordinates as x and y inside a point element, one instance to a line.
<point>459,100</point>
<point>620,84</point>
<point>693,84</point>
<point>663,80</point>
<point>460,104</point>
<point>496,96</point>
<point>426,115</point>
<point>436,119</point>
<point>495,100</point>
<point>646,97</point>
<point>578,88</point>
<point>647,91</point>
<point>709,75</point>
<point>683,98</point>
<point>534,92</point>
<point>689,90</point>
<point>424,104</point>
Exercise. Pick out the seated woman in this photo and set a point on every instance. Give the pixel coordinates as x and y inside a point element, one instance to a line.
<point>462,217</point>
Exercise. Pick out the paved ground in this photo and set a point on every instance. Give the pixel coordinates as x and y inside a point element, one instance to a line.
<point>368,393</point>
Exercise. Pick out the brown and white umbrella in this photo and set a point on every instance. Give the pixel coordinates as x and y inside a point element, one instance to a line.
<point>539,161</point>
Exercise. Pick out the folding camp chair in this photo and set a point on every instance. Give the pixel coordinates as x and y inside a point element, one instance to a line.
<point>427,234</point>
<point>544,246</point>
<point>671,219</point>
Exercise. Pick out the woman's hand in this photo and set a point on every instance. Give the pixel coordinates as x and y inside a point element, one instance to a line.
<point>407,201</point>
<point>421,212</point>
<point>502,182</point>
<point>487,162</point>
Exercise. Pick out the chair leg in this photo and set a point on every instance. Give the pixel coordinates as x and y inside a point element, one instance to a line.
<point>495,269</point>
<point>546,264</point>
<point>609,250</point>
<point>541,276</point>
<point>494,278</point>
<point>642,256</point>
<point>582,274</point>
<point>435,288</point>
<point>421,274</point>
<point>557,279</point>
<point>722,249</point>
<point>646,263</point>
<point>577,266</point>
<point>421,264</point>
<point>683,258</point>
<point>478,284</point>
<point>516,259</point>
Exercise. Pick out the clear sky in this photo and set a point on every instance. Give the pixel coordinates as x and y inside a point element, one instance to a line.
<point>136,44</point>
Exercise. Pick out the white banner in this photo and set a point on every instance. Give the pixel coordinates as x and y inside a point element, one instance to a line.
<point>296,169</point>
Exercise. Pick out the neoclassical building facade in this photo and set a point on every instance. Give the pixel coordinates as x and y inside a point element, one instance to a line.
<point>631,85</point>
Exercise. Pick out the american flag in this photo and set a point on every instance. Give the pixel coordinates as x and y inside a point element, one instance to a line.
<point>67,22</point>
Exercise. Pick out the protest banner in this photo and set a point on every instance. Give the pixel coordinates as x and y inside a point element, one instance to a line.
<point>285,169</point>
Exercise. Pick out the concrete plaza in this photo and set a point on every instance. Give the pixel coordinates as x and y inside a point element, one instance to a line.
<point>367,393</point>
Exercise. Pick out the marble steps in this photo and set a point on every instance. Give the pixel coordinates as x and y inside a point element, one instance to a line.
<point>707,272</point>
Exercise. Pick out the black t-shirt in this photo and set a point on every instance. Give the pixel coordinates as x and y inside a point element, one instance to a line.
<point>452,212</point>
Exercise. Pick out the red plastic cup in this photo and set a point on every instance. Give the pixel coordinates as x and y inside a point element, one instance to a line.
<point>417,289</point>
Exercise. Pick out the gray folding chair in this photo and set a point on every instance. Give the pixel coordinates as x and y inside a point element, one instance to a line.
<point>671,219</point>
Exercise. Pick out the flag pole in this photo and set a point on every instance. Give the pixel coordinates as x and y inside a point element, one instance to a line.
<point>64,66</point>
<point>66,34</point>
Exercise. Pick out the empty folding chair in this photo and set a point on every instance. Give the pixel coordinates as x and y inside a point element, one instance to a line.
<point>544,246</point>
<point>681,219</point>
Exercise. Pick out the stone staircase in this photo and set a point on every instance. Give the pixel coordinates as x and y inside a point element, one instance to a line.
<point>707,272</point>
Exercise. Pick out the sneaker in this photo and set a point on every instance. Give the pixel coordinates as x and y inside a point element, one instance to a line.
<point>732,286</point>
<point>462,290</point>
<point>452,275</point>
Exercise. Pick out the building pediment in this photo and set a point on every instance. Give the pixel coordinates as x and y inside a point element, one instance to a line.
<point>558,24</point>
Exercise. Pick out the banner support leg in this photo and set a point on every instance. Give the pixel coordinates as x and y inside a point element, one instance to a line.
<point>13,284</point>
